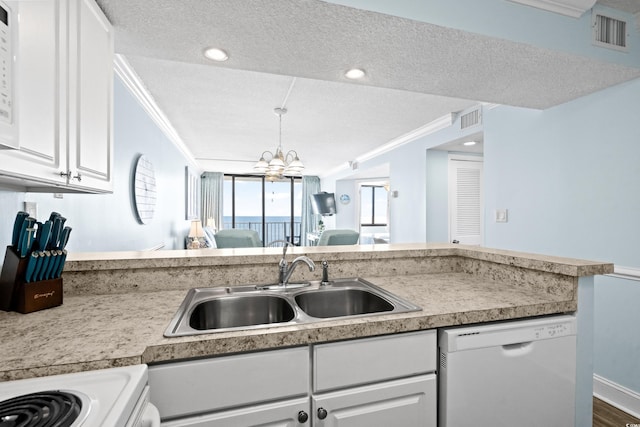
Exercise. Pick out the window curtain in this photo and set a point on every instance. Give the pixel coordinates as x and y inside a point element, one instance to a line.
<point>310,185</point>
<point>212,184</point>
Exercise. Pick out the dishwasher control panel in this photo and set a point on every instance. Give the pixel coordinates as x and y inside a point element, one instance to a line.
<point>554,330</point>
<point>507,333</point>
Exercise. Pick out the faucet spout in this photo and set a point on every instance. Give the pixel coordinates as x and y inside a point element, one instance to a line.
<point>288,272</point>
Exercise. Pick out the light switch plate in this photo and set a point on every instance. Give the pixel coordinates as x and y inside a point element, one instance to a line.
<point>502,215</point>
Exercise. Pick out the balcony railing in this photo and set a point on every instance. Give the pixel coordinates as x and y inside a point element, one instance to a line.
<point>279,230</point>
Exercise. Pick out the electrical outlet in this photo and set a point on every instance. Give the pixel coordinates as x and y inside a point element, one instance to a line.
<point>31,208</point>
<point>57,195</point>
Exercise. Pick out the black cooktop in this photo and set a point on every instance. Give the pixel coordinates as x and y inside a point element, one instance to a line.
<point>53,408</point>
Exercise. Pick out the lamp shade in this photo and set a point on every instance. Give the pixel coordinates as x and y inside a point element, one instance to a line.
<point>211,222</point>
<point>196,229</point>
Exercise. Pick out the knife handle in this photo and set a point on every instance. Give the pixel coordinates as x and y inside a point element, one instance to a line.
<point>61,259</point>
<point>64,237</point>
<point>56,230</point>
<point>17,227</point>
<point>46,259</point>
<point>52,263</point>
<point>38,267</point>
<point>31,267</point>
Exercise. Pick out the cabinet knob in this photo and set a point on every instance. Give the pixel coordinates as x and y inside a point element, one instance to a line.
<point>322,413</point>
<point>66,174</point>
<point>78,177</point>
<point>302,417</point>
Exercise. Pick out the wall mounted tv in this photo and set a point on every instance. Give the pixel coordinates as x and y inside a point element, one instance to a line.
<point>323,203</point>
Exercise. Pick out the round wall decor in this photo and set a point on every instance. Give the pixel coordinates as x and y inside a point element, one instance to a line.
<point>144,189</point>
<point>345,199</point>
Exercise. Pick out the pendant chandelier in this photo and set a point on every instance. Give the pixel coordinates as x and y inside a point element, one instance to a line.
<point>279,164</point>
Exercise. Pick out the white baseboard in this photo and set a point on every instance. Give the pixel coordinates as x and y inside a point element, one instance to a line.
<point>617,395</point>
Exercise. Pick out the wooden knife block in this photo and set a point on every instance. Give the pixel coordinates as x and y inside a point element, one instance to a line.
<point>16,295</point>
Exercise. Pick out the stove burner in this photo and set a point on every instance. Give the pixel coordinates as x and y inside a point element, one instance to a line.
<point>44,409</point>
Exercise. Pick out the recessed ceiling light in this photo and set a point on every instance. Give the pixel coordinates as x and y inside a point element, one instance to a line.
<point>469,143</point>
<point>354,74</point>
<point>216,54</point>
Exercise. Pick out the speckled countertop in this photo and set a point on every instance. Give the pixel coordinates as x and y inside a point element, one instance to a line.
<point>95,331</point>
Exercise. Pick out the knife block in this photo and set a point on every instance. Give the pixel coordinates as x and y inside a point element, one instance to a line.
<point>16,295</point>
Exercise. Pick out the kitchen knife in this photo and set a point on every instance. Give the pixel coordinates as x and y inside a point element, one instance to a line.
<point>38,226</point>
<point>27,241</point>
<point>64,237</point>
<point>38,267</point>
<point>23,228</point>
<point>23,238</point>
<point>31,266</point>
<point>43,235</point>
<point>53,262</point>
<point>17,227</point>
<point>61,261</point>
<point>53,216</point>
<point>56,229</point>
<point>45,264</point>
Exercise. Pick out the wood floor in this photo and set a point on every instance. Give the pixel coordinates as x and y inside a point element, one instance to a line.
<point>605,415</point>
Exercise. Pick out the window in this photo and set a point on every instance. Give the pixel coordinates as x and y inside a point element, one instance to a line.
<point>272,208</point>
<point>373,205</point>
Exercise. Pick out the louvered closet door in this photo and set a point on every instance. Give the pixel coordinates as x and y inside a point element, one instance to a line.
<point>465,201</point>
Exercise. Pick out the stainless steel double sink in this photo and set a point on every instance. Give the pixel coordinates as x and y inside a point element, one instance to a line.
<point>208,310</point>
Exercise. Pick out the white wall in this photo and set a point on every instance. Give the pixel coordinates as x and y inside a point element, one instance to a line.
<point>107,222</point>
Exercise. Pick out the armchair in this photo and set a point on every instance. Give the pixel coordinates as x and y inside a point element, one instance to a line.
<point>338,237</point>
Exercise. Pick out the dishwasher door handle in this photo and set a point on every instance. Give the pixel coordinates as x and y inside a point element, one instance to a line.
<point>517,349</point>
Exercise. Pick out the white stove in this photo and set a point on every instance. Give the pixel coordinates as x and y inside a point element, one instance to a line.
<point>116,397</point>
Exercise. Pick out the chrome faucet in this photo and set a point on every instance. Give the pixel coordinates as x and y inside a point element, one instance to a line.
<point>285,271</point>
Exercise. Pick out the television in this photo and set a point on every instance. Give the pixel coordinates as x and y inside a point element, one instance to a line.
<point>323,203</point>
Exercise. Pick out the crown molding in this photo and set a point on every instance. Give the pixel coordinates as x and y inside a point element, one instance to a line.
<point>572,8</point>
<point>137,89</point>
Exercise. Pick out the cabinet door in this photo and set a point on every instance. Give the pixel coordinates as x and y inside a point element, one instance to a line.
<point>39,84</point>
<point>90,139</point>
<point>406,402</point>
<point>290,413</point>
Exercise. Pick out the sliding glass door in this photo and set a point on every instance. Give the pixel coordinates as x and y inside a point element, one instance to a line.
<point>272,208</point>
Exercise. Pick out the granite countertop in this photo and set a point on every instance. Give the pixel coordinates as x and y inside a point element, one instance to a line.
<point>100,331</point>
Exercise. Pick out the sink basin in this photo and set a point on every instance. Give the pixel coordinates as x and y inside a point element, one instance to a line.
<point>341,302</point>
<point>236,311</point>
<point>208,310</point>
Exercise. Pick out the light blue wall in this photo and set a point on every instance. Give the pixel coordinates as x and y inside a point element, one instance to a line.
<point>506,20</point>
<point>408,176</point>
<point>570,178</point>
<point>107,222</point>
<point>437,196</point>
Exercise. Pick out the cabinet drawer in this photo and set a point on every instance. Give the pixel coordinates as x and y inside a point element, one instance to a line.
<point>206,385</point>
<point>369,360</point>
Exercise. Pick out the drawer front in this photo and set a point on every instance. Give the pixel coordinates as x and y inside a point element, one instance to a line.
<point>200,386</point>
<point>349,363</point>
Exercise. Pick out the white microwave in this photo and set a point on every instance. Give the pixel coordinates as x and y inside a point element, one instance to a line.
<point>8,58</point>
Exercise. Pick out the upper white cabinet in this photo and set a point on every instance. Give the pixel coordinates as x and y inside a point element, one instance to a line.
<point>64,98</point>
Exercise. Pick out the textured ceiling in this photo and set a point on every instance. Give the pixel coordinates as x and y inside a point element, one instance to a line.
<point>416,73</point>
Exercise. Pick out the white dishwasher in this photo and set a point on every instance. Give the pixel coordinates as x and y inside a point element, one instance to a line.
<point>514,373</point>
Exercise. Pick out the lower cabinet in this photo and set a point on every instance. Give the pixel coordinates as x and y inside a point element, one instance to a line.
<point>370,382</point>
<point>406,402</point>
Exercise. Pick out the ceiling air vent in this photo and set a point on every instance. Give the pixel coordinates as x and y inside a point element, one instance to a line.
<point>609,32</point>
<point>470,119</point>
